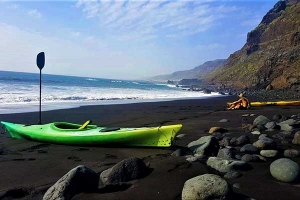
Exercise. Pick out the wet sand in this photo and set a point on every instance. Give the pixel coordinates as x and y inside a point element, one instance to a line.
<point>29,168</point>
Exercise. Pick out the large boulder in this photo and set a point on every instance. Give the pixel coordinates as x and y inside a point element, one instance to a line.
<point>80,179</point>
<point>285,170</point>
<point>206,145</point>
<point>204,187</point>
<point>225,165</point>
<point>124,171</point>
<point>261,120</point>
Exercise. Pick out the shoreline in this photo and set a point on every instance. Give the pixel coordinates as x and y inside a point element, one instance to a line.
<point>48,106</point>
<point>33,166</point>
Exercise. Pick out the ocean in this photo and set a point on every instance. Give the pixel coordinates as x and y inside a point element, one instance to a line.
<point>19,92</point>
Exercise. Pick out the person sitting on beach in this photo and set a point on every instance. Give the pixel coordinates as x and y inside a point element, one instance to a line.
<point>242,103</point>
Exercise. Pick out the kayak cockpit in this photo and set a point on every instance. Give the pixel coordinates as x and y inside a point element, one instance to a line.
<point>69,126</point>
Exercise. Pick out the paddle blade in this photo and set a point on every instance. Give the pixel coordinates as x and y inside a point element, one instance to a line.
<point>40,60</point>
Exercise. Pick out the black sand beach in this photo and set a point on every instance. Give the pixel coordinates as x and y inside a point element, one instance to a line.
<point>29,168</point>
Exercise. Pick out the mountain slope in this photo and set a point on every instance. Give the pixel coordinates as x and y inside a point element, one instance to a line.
<point>271,55</point>
<point>197,72</point>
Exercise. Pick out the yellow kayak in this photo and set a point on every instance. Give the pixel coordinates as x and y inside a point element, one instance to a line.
<point>273,103</point>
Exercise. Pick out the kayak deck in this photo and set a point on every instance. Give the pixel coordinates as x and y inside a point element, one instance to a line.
<point>68,133</point>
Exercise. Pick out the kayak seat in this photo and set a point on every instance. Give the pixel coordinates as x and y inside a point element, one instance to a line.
<point>84,124</point>
<point>109,129</point>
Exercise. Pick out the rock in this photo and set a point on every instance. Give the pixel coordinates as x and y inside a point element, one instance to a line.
<point>289,122</point>
<point>218,135</point>
<point>224,120</point>
<point>294,116</point>
<point>283,118</point>
<point>192,159</point>
<point>245,115</point>
<point>271,125</point>
<point>225,153</point>
<point>79,179</point>
<point>261,120</point>
<point>255,132</point>
<point>217,129</point>
<point>250,158</point>
<point>296,139</point>
<point>284,170</point>
<point>291,153</point>
<point>278,136</point>
<point>249,148</point>
<point>225,141</point>
<point>206,145</point>
<point>242,140</point>
<point>207,186</point>
<point>238,157</point>
<point>236,185</point>
<point>269,153</point>
<point>233,140</point>
<point>285,127</point>
<point>180,135</point>
<point>262,136</point>
<point>126,170</point>
<point>224,165</point>
<point>260,127</point>
<point>233,174</point>
<point>249,127</point>
<point>261,158</point>
<point>178,152</point>
<point>284,142</point>
<point>265,143</point>
<point>277,117</point>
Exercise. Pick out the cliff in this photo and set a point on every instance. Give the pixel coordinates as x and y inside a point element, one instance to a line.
<point>271,56</point>
<point>196,73</point>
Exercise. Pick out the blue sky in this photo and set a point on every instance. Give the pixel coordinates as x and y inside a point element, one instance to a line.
<point>124,39</point>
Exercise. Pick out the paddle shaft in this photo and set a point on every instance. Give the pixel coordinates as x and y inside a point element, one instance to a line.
<point>40,122</point>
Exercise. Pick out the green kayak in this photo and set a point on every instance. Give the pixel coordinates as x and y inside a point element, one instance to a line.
<point>76,134</point>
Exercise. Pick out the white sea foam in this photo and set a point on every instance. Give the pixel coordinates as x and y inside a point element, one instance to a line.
<point>14,97</point>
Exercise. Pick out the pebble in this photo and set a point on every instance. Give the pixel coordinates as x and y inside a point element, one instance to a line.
<point>269,153</point>
<point>224,120</point>
<point>236,185</point>
<point>255,133</point>
<point>291,153</point>
<point>180,135</point>
<point>233,174</point>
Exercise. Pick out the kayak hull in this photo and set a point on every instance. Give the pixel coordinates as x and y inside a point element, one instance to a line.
<point>273,103</point>
<point>68,133</point>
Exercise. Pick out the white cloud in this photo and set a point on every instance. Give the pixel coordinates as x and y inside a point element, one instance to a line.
<point>35,13</point>
<point>91,57</point>
<point>13,6</point>
<point>132,18</point>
